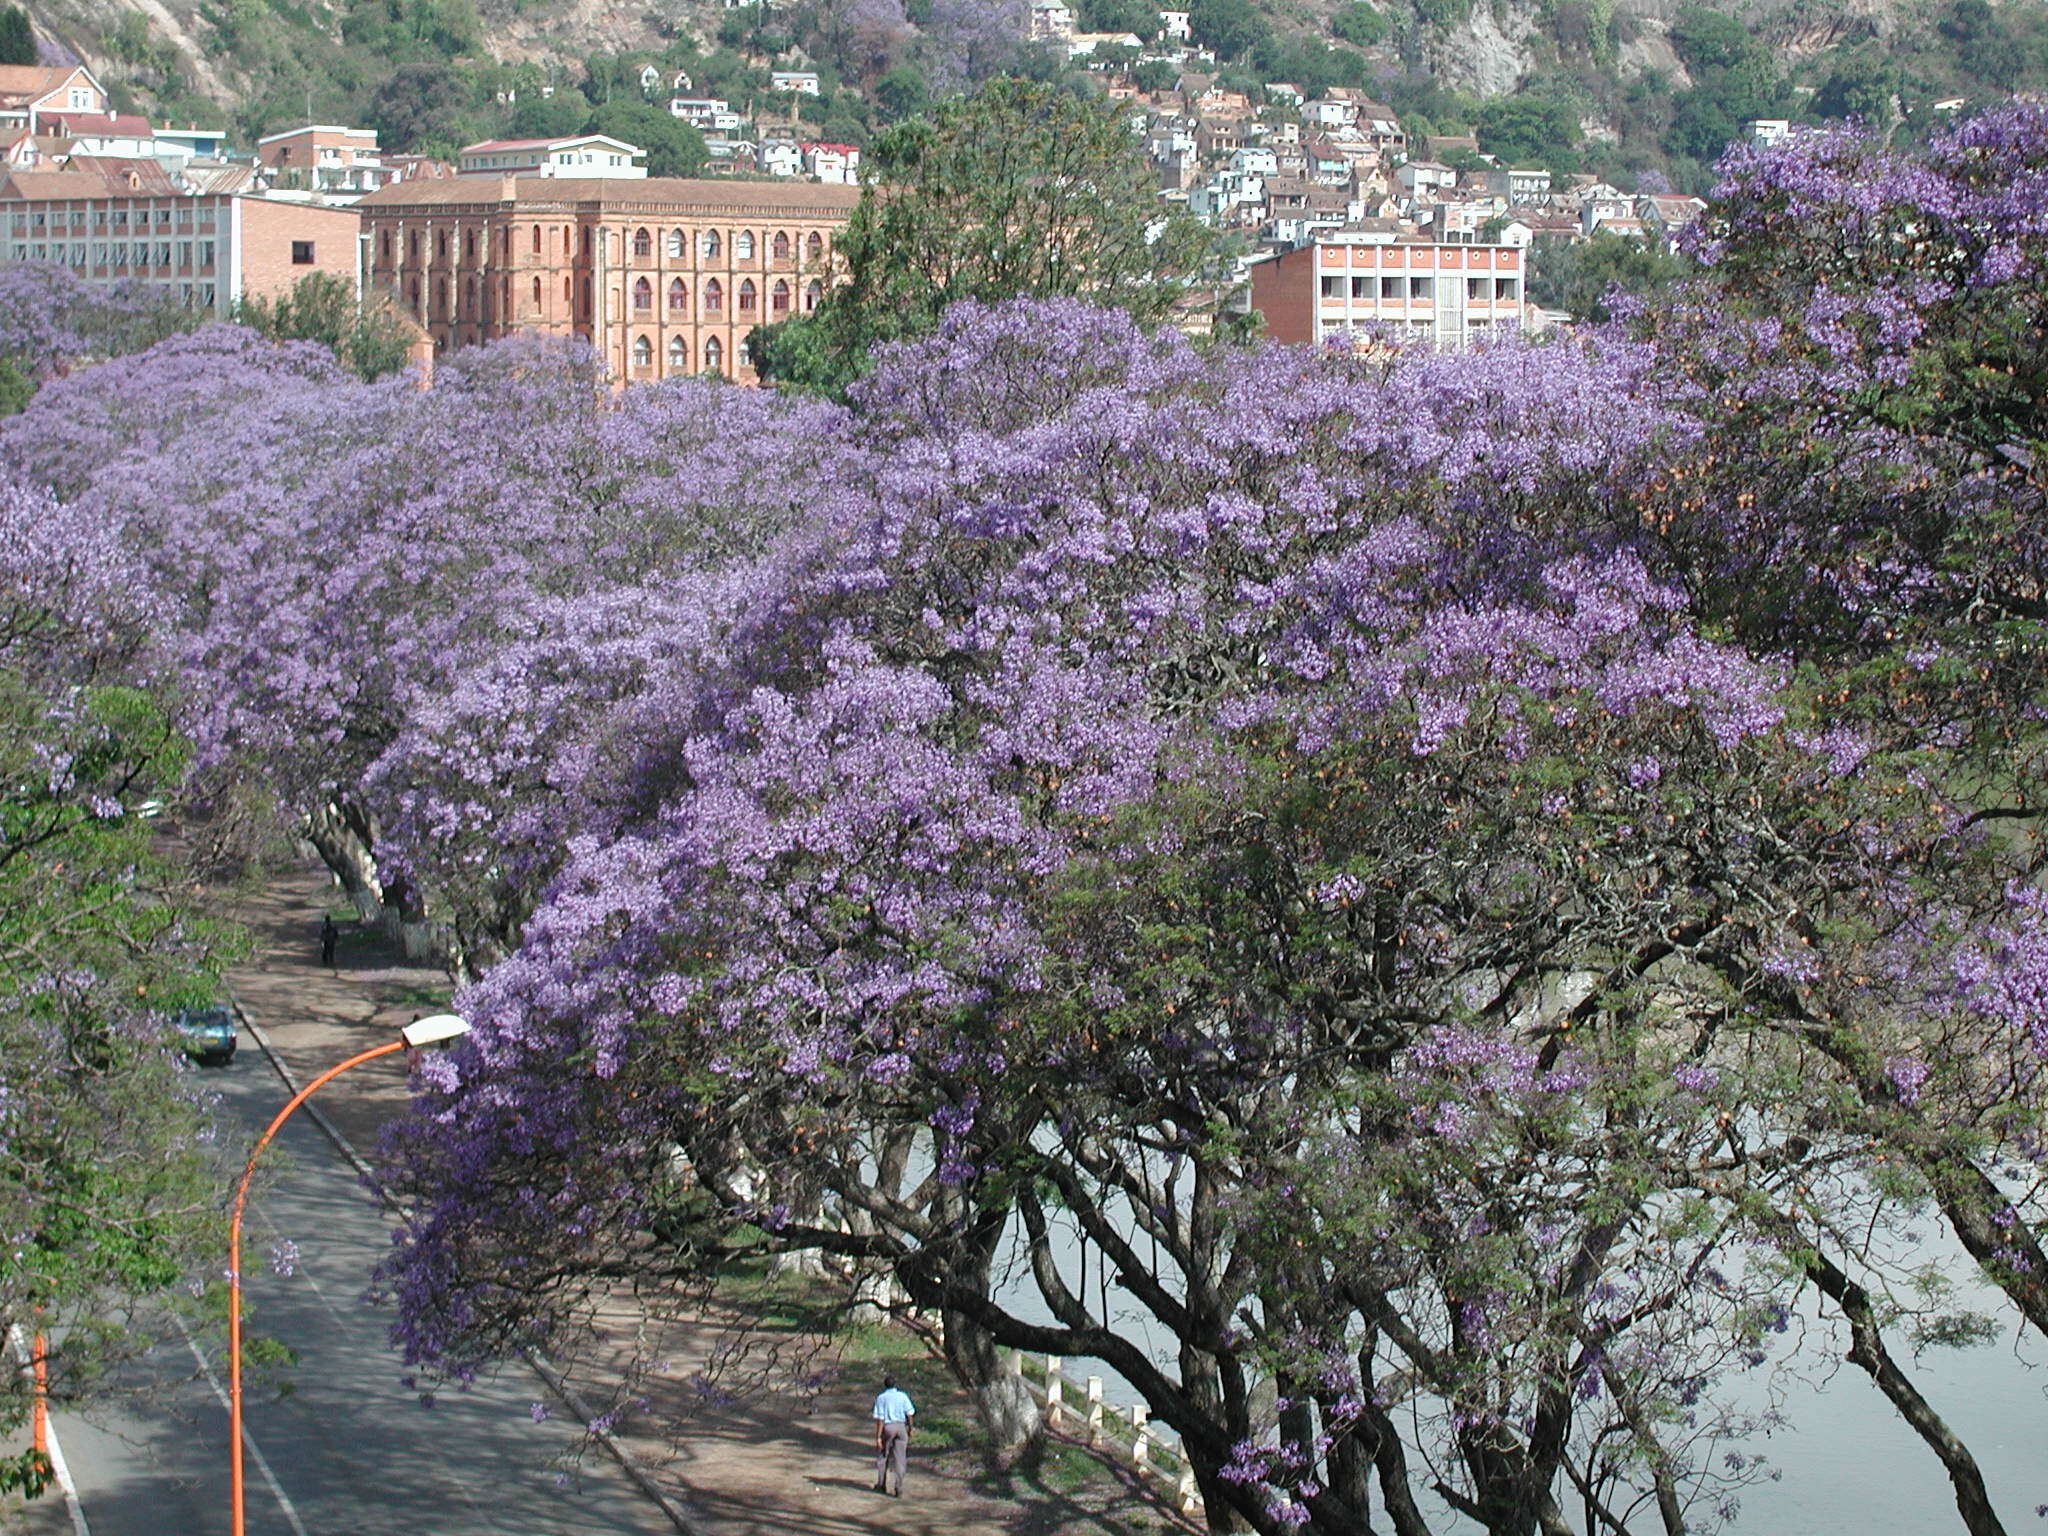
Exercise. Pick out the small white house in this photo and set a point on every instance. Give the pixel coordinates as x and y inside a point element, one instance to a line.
<point>800,82</point>
<point>650,80</point>
<point>1175,26</point>
<point>779,157</point>
<point>836,164</point>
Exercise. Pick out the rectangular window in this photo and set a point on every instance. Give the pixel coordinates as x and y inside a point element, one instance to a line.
<point>1504,288</point>
<point>99,253</point>
<point>206,253</point>
<point>1475,289</point>
<point>1422,288</point>
<point>302,253</point>
<point>184,253</point>
<point>1394,289</point>
<point>1361,287</point>
<point>163,253</point>
<point>1333,286</point>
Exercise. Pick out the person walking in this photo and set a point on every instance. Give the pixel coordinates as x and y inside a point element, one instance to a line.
<point>893,1413</point>
<point>328,935</point>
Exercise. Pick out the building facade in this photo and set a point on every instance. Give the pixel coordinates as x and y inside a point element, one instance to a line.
<point>663,276</point>
<point>1446,295</point>
<point>209,250</point>
<point>325,159</point>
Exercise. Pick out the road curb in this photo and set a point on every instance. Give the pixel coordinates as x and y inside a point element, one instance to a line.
<point>550,1377</point>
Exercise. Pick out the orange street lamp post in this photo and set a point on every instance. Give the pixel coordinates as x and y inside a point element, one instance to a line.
<point>442,1026</point>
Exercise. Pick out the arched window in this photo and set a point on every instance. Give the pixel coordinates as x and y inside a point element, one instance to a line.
<point>707,245</point>
<point>415,247</point>
<point>441,246</point>
<point>384,247</point>
<point>643,244</point>
<point>714,355</point>
<point>781,246</point>
<point>643,294</point>
<point>778,301</point>
<point>412,291</point>
<point>643,352</point>
<point>469,247</point>
<point>584,295</point>
<point>746,295</point>
<point>441,296</point>
<point>678,294</point>
<point>536,239</point>
<point>678,247</point>
<point>813,291</point>
<point>714,298</point>
<point>743,245</point>
<point>814,246</point>
<point>678,354</point>
<point>568,291</point>
<point>536,281</point>
<point>586,239</point>
<point>469,297</point>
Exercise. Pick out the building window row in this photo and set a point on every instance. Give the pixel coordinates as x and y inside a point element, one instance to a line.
<point>558,240</point>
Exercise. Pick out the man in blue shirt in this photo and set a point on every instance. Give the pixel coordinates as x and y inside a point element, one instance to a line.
<point>893,1413</point>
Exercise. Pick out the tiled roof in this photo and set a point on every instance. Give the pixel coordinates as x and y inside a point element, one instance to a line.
<point>654,192</point>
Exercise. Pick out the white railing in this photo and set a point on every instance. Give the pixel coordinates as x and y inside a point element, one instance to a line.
<point>1119,1429</point>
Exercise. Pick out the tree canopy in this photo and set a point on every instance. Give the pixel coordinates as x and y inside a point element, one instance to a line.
<point>1019,190</point>
<point>1468,891</point>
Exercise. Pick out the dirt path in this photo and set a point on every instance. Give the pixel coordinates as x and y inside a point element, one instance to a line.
<point>790,1455</point>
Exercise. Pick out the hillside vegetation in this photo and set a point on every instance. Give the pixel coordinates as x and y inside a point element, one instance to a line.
<point>1621,86</point>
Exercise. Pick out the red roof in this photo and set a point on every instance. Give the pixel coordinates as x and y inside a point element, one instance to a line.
<point>843,149</point>
<point>123,123</point>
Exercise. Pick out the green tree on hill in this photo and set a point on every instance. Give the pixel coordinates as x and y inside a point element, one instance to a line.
<point>17,37</point>
<point>1021,190</point>
<point>673,147</point>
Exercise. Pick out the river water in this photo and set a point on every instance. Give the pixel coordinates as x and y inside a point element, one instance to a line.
<point>1845,1464</point>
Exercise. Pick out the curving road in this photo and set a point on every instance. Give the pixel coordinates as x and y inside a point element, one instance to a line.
<point>346,1449</point>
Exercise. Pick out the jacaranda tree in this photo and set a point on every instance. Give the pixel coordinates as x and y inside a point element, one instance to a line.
<point>1462,890</point>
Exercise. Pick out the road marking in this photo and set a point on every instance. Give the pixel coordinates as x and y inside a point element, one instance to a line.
<point>79,1525</point>
<point>291,1515</point>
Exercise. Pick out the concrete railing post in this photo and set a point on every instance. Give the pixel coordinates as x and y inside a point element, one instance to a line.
<point>1053,1404</point>
<point>1094,1409</point>
<point>1141,1438</point>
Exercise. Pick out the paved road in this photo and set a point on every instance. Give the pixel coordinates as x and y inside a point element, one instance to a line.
<point>350,1450</point>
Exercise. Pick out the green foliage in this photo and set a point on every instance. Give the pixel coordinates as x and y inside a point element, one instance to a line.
<point>1578,277</point>
<point>17,37</point>
<point>1861,86</point>
<point>1232,27</point>
<point>414,29</point>
<point>17,386</point>
<point>1120,16</point>
<point>1021,190</point>
<point>1313,65</point>
<point>420,108</point>
<point>1530,129</point>
<point>673,147</point>
<point>1442,14</point>
<point>370,341</point>
<point>1360,23</point>
<point>108,1179</point>
<point>549,117</point>
<point>903,91</point>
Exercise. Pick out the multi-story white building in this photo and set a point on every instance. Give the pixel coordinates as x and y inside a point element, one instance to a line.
<point>331,162</point>
<point>1349,281</point>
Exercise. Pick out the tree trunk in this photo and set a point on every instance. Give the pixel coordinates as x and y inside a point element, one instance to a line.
<point>1008,1411</point>
<point>1866,1350</point>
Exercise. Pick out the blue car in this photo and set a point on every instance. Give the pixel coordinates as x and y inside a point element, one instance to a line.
<point>207,1034</point>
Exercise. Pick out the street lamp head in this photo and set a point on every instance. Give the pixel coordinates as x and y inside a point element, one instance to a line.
<point>434,1028</point>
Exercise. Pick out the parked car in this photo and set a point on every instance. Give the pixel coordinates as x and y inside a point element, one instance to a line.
<point>208,1034</point>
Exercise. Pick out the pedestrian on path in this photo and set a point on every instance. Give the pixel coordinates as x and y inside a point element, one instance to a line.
<point>328,935</point>
<point>893,1413</point>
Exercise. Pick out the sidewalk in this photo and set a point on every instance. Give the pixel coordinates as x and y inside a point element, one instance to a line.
<point>794,1455</point>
